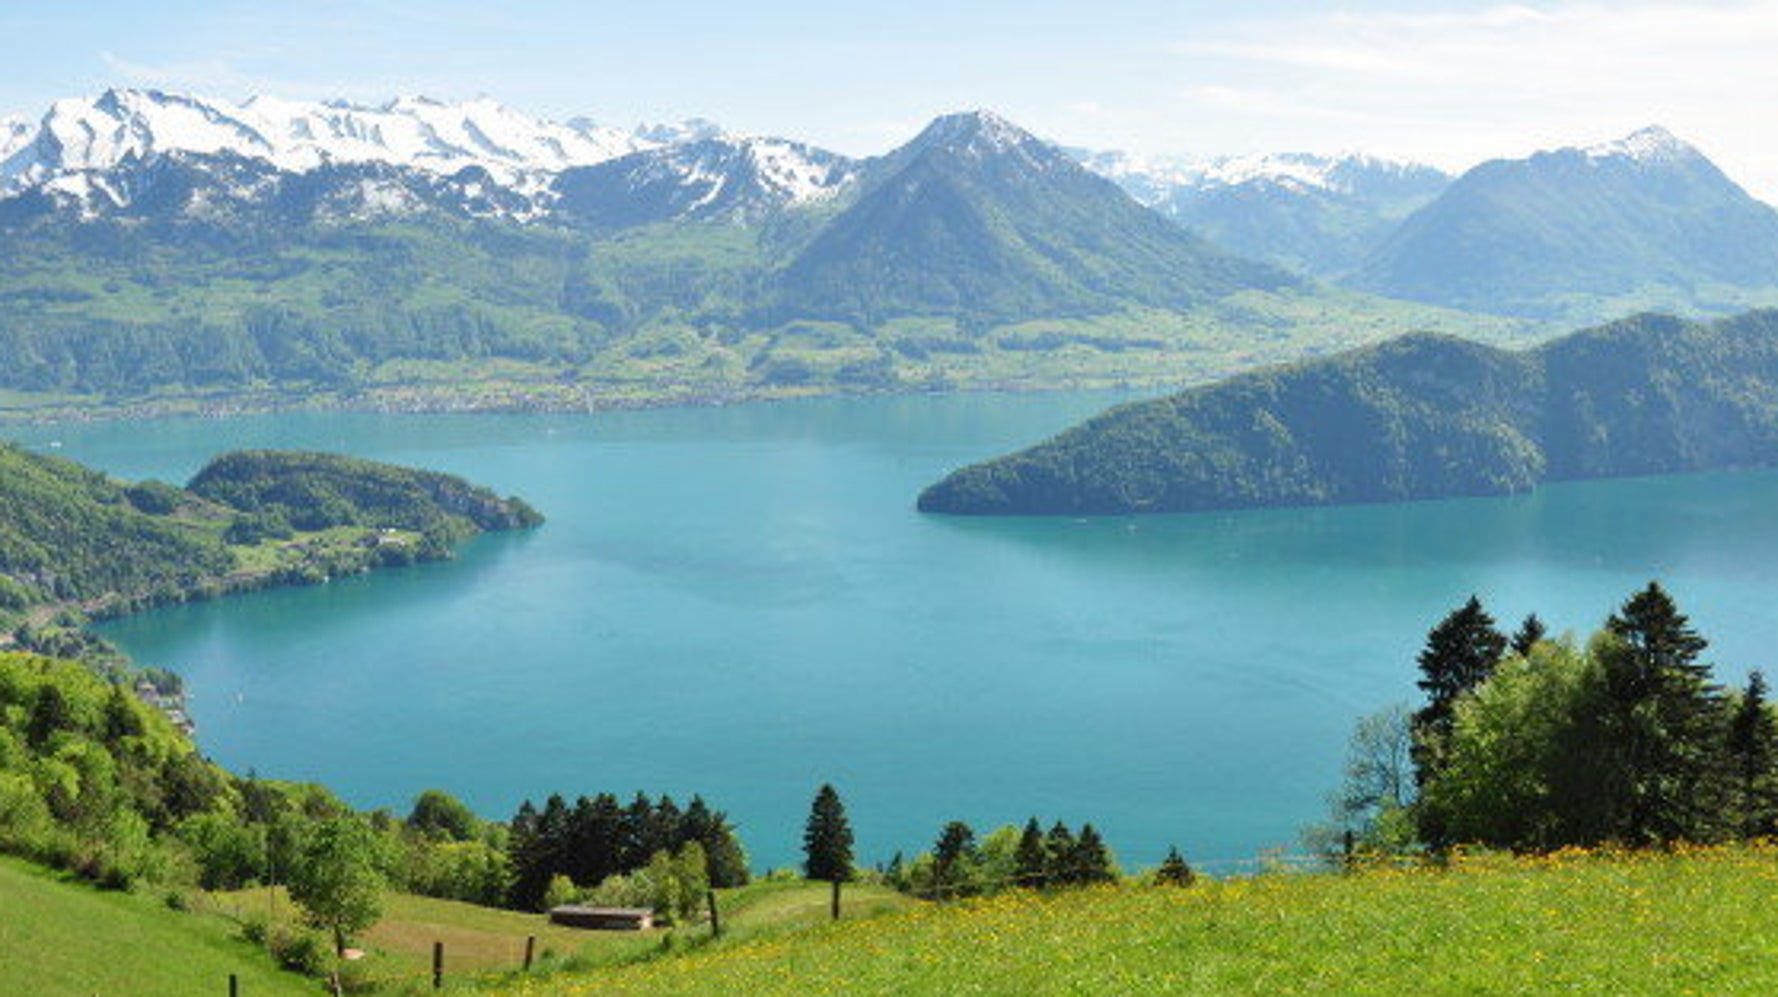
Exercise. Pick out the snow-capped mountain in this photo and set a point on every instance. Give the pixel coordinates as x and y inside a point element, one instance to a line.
<point>735,179</point>
<point>1317,214</point>
<point>1652,146</point>
<point>1157,179</point>
<point>82,135</point>
<point>689,130</point>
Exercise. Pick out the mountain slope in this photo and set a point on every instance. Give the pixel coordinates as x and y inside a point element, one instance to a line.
<point>978,218</point>
<point>1646,220</point>
<point>1418,417</point>
<point>79,941</point>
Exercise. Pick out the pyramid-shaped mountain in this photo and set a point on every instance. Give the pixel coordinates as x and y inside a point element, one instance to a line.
<point>979,219</point>
<point>1645,221</point>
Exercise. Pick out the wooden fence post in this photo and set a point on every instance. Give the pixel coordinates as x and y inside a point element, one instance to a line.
<point>836,898</point>
<point>530,950</point>
<point>715,915</point>
<point>234,985</point>
<point>438,965</point>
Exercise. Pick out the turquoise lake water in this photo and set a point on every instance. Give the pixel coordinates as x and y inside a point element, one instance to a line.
<point>743,602</point>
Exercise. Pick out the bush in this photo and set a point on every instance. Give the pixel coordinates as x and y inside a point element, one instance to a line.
<point>298,950</point>
<point>561,891</point>
<point>357,977</point>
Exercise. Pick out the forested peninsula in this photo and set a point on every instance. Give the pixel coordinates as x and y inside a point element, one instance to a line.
<point>75,543</point>
<point>1419,417</point>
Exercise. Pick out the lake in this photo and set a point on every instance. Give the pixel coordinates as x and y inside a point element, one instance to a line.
<point>742,602</point>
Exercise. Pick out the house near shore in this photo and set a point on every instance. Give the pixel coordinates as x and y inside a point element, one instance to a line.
<point>602,918</point>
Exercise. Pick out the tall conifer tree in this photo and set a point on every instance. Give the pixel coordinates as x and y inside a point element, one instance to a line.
<point>1058,860</point>
<point>1753,754</point>
<point>1092,860</point>
<point>827,840</point>
<point>1029,858</point>
<point>1666,725</point>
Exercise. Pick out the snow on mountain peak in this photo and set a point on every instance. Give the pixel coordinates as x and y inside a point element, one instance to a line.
<point>83,134</point>
<point>973,129</point>
<point>689,130</point>
<point>1341,173</point>
<point>1653,144</point>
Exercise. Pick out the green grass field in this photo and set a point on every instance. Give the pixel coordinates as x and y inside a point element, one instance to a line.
<point>65,939</point>
<point>1704,923</point>
<point>482,945</point>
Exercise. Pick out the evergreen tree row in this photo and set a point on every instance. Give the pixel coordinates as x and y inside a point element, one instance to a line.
<point>1060,857</point>
<point>961,865</point>
<point>598,837</point>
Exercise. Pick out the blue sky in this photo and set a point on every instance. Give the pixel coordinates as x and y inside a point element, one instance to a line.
<point>1449,83</point>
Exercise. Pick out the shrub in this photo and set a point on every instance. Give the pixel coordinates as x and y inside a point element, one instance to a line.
<point>300,951</point>
<point>561,891</point>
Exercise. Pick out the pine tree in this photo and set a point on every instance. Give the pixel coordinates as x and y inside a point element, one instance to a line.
<point>641,839</point>
<point>1029,859</point>
<point>1058,859</point>
<point>1666,725</point>
<point>1092,860</point>
<point>1174,871</point>
<point>1460,653</point>
<point>1529,633</point>
<point>1753,754</point>
<point>954,848</point>
<point>827,840</point>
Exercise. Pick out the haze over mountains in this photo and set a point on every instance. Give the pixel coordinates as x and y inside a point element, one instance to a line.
<point>1643,220</point>
<point>1315,214</point>
<point>169,243</point>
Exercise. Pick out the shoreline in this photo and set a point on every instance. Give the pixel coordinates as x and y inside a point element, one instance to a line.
<point>448,402</point>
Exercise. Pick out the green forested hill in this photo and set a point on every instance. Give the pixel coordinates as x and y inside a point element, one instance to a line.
<point>69,533</point>
<point>1419,417</point>
<point>314,491</point>
<point>72,537</point>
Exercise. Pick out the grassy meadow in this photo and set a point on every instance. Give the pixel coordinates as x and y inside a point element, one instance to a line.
<point>65,939</point>
<point>1699,922</point>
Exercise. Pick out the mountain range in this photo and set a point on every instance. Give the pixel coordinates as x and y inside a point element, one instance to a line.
<point>422,256</point>
<point>426,253</point>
